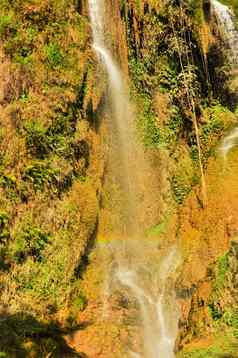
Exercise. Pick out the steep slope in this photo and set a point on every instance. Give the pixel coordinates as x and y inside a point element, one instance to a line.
<point>50,171</point>
<point>208,322</point>
<point>53,150</point>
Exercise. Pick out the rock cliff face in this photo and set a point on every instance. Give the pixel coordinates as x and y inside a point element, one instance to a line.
<point>51,168</point>
<point>53,155</point>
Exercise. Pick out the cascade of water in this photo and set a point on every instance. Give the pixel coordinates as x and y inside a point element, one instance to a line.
<point>226,20</point>
<point>166,341</point>
<point>230,141</point>
<point>121,109</point>
<point>158,334</point>
<point>131,272</point>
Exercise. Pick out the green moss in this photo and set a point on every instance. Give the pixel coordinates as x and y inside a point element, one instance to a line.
<point>157,230</point>
<point>196,9</point>
<point>149,129</point>
<point>7,25</point>
<point>54,55</point>
<point>222,269</point>
<point>230,318</point>
<point>203,353</point>
<point>183,178</point>
<point>224,346</point>
<point>180,189</point>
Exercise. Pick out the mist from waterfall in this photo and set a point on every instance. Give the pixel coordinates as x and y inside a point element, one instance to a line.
<point>135,269</point>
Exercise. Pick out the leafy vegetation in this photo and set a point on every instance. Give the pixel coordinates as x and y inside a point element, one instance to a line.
<point>48,206</point>
<point>4,228</point>
<point>215,351</point>
<point>50,160</point>
<point>54,55</point>
<point>177,80</point>
<point>31,241</point>
<point>223,265</point>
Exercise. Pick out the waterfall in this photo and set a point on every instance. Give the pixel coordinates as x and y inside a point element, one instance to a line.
<point>229,33</point>
<point>133,269</point>
<point>230,141</point>
<point>226,20</point>
<point>159,331</point>
<point>121,110</point>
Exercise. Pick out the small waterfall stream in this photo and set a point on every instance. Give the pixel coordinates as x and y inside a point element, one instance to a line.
<point>158,334</point>
<point>229,33</point>
<point>230,141</point>
<point>226,20</point>
<point>133,270</point>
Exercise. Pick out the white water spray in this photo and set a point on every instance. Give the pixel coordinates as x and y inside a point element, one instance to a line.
<point>226,20</point>
<point>121,110</point>
<point>120,103</point>
<point>132,264</point>
<point>230,141</point>
<point>159,333</point>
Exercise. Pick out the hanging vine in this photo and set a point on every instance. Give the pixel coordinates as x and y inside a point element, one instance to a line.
<point>184,47</point>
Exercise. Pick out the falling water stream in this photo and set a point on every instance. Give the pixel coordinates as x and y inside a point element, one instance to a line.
<point>229,33</point>
<point>139,269</point>
<point>230,141</point>
<point>136,267</point>
<point>226,20</point>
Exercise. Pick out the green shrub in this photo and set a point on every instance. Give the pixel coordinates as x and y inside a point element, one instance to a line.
<point>31,241</point>
<point>23,57</point>
<point>215,311</point>
<point>222,268</point>
<point>57,138</point>
<point>137,70</point>
<point>194,153</point>
<point>212,130</point>
<point>180,188</point>
<point>152,132</point>
<point>213,127</point>
<point>80,302</point>
<point>148,127</point>
<point>4,228</point>
<point>24,97</point>
<point>41,175</point>
<point>19,47</point>
<point>37,140</point>
<point>54,55</point>
<point>7,26</point>
<point>230,318</point>
<point>175,122</point>
<point>8,181</point>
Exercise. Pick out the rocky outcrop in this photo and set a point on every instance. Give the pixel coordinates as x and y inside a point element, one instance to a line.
<point>53,153</point>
